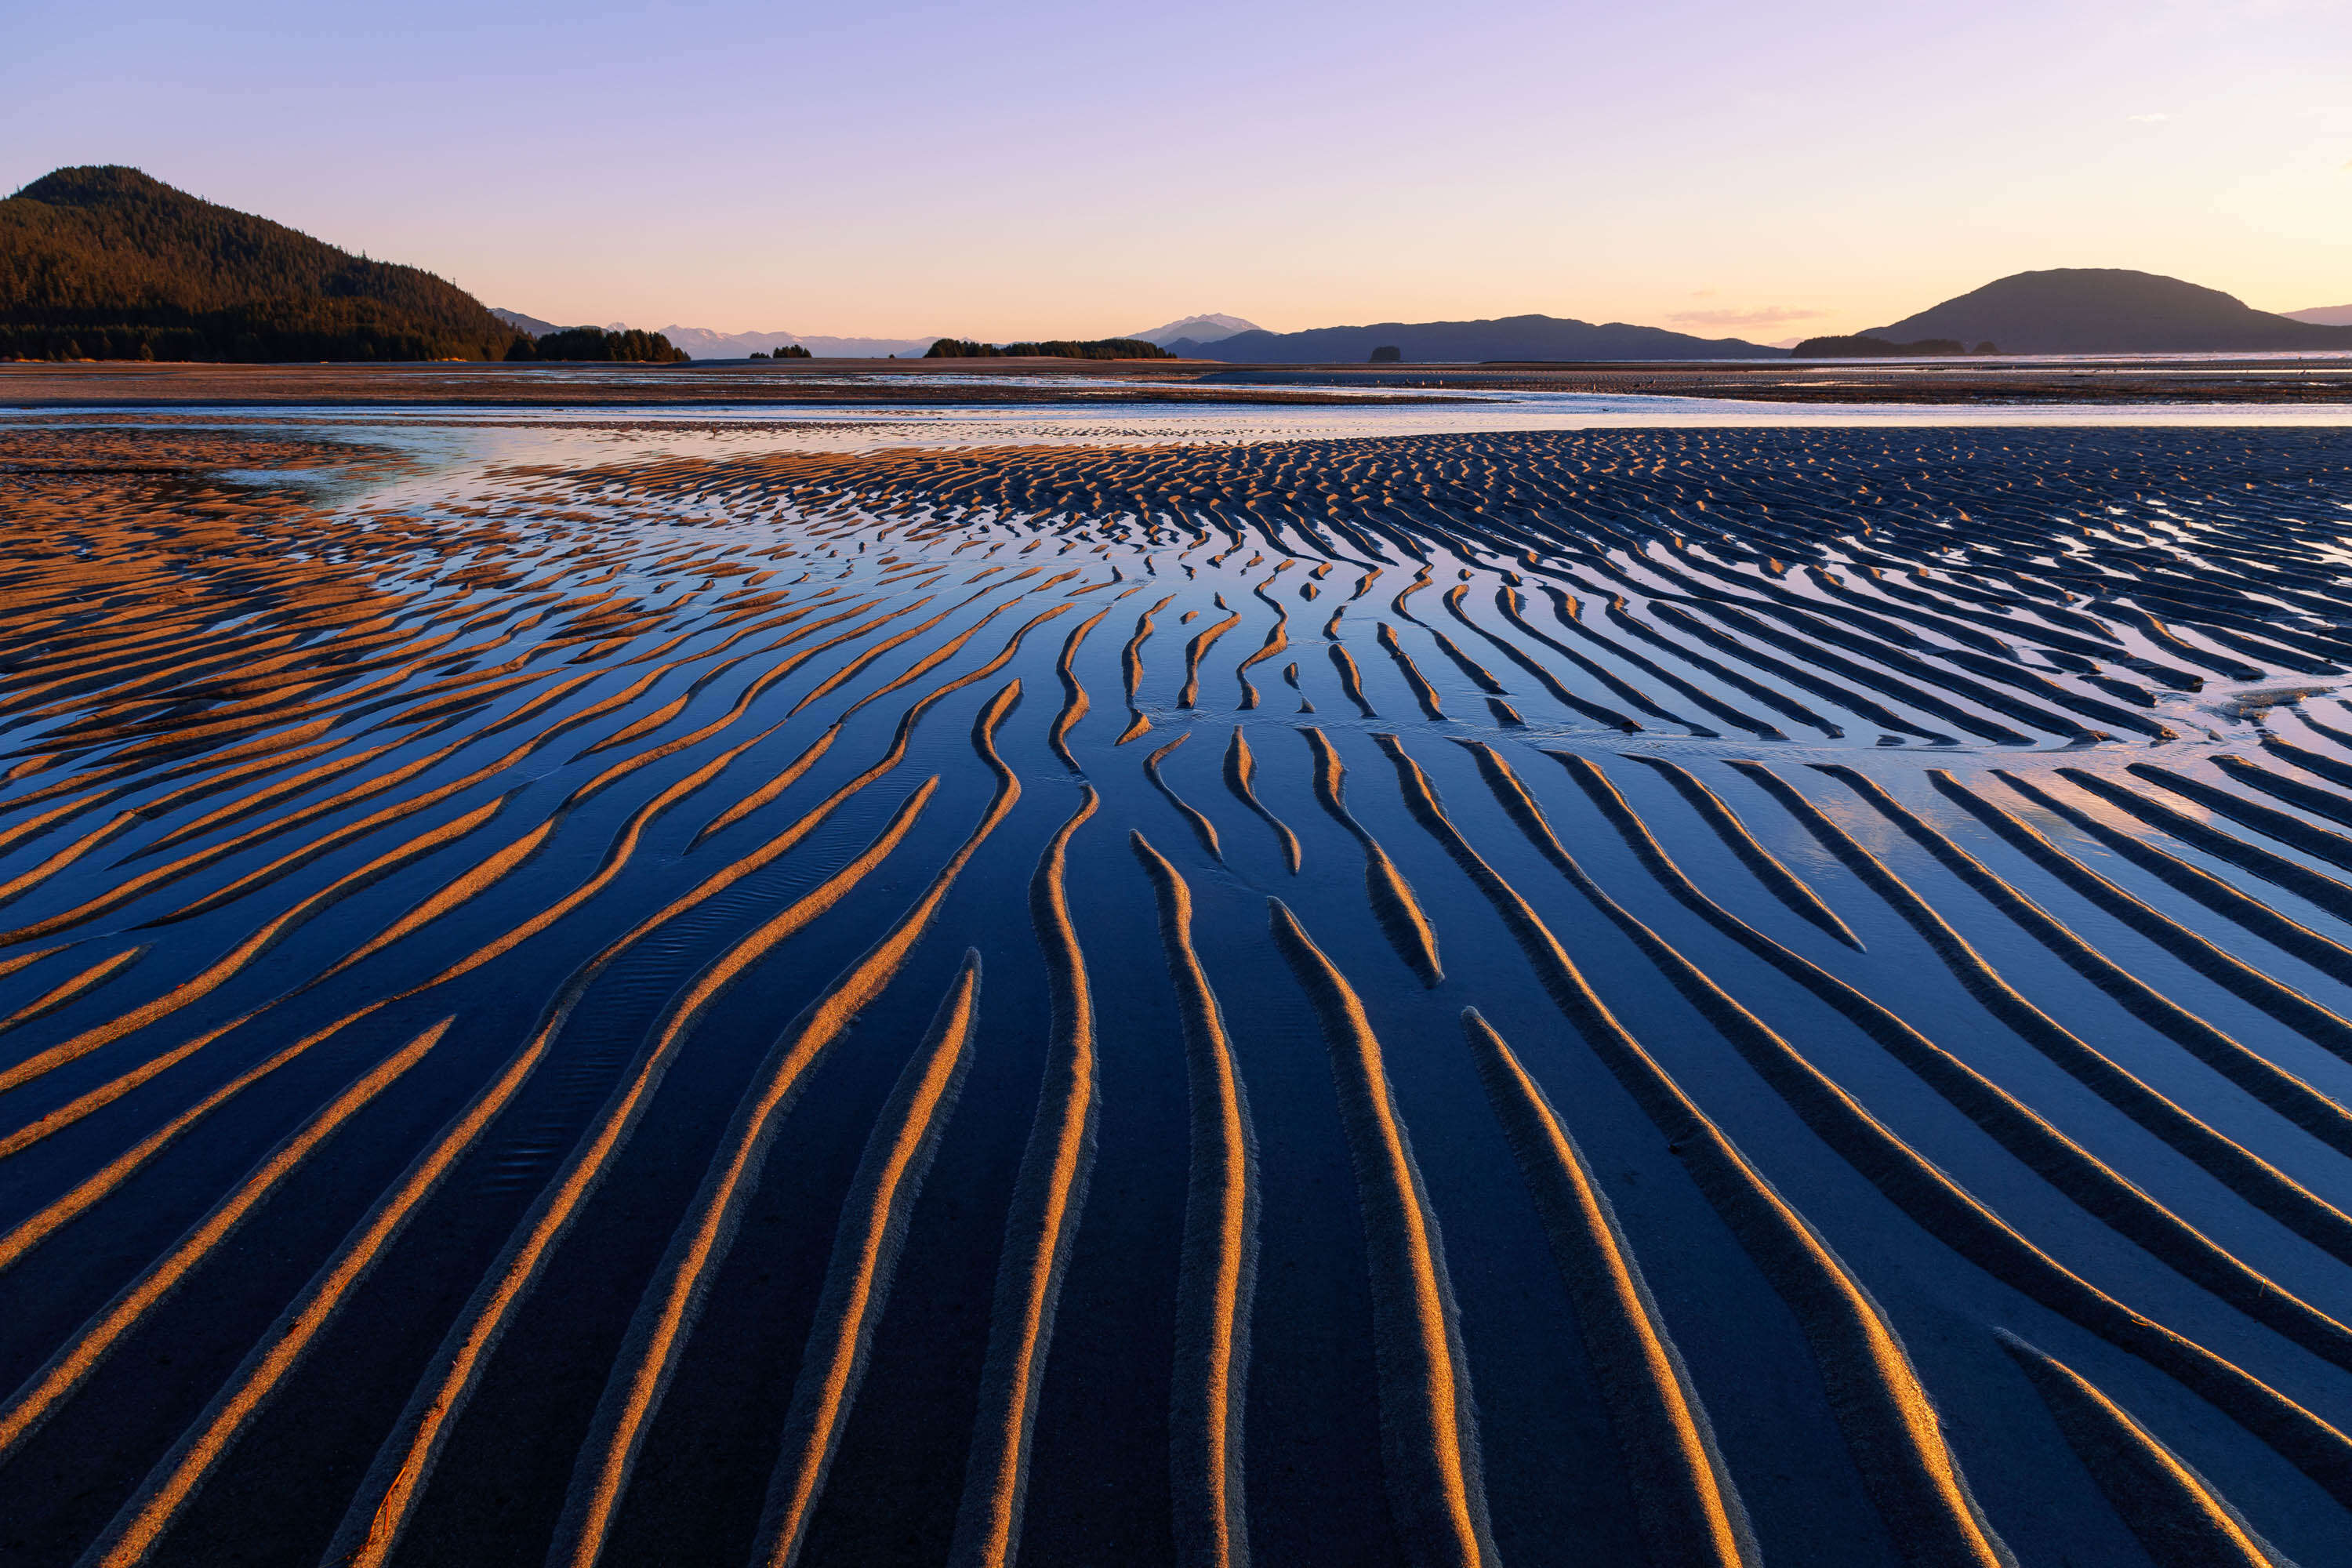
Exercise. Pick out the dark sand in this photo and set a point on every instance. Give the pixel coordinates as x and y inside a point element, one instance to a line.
<point>1769,997</point>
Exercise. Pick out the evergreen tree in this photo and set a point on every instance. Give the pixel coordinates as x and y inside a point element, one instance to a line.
<point>597,344</point>
<point>1097,348</point>
<point>124,266</point>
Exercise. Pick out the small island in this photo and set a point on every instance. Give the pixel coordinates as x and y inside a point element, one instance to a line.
<point>594,344</point>
<point>1862,346</point>
<point>1097,348</point>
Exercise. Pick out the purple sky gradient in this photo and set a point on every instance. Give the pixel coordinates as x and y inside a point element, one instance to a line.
<point>1046,168</point>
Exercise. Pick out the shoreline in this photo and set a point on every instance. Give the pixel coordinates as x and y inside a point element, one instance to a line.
<point>2119,381</point>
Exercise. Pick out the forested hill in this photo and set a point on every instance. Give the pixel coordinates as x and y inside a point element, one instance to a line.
<point>1439,343</point>
<point>2108,309</point>
<point>107,263</point>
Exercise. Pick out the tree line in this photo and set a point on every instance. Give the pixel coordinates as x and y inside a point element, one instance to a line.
<point>596,344</point>
<point>1864,346</point>
<point>1095,348</point>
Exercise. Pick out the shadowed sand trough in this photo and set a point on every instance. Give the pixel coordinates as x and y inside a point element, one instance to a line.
<point>1772,995</point>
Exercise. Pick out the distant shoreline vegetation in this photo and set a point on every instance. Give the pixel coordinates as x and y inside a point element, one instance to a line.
<point>1862,345</point>
<point>1097,348</point>
<point>594,344</point>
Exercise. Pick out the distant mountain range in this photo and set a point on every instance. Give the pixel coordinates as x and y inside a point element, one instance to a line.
<point>105,262</point>
<point>2108,309</point>
<point>704,343</point>
<point>108,263</point>
<point>2063,311</point>
<point>1457,342</point>
<point>1197,330</point>
<point>522,323</point>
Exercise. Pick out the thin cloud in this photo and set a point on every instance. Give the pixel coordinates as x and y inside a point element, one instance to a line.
<point>2148,119</point>
<point>1769,316</point>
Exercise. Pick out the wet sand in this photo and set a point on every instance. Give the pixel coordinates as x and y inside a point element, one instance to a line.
<point>1770,995</point>
<point>913,382</point>
<point>2244,381</point>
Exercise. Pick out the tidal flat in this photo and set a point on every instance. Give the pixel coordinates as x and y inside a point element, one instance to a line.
<point>1409,984</point>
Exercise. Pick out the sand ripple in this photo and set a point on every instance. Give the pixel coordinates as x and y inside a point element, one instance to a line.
<point>1885,1095</point>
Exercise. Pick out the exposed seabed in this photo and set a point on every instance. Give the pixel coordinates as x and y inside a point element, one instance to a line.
<point>1428,984</point>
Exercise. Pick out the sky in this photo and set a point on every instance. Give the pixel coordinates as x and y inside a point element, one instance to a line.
<point>1052,169</point>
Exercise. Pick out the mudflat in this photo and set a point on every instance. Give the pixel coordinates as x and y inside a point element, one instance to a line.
<point>591,992</point>
<point>2248,380</point>
<point>824,382</point>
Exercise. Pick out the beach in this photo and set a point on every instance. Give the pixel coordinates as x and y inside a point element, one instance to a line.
<point>1335,971</point>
